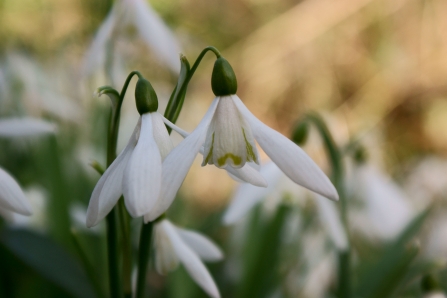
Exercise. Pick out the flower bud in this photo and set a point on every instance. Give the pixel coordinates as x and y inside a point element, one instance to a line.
<point>300,133</point>
<point>145,97</point>
<point>360,155</point>
<point>223,79</point>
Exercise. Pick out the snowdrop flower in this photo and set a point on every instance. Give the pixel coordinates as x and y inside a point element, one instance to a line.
<point>386,209</point>
<point>247,196</point>
<point>228,132</point>
<point>150,27</point>
<point>173,244</point>
<point>12,198</point>
<point>136,172</point>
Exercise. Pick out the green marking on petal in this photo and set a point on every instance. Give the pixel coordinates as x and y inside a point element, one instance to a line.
<point>210,153</point>
<point>251,156</point>
<point>237,160</point>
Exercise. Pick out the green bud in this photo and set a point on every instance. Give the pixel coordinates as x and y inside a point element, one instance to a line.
<point>429,284</point>
<point>223,80</point>
<point>360,155</point>
<point>300,133</point>
<point>145,97</point>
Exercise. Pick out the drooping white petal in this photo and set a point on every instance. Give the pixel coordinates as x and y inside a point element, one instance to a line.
<point>96,54</point>
<point>191,261</point>
<point>24,127</point>
<point>11,195</point>
<point>109,188</point>
<point>177,164</point>
<point>156,34</point>
<point>142,176</point>
<point>165,257</point>
<point>290,158</point>
<point>229,141</point>
<point>247,196</point>
<point>248,173</point>
<point>331,219</point>
<point>161,135</point>
<point>201,245</point>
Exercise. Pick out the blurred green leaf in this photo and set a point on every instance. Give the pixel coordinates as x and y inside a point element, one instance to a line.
<point>384,275</point>
<point>261,273</point>
<point>49,260</point>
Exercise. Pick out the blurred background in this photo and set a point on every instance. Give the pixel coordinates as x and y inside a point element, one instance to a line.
<point>375,70</point>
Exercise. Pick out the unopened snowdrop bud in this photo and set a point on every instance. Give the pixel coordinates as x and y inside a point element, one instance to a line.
<point>360,155</point>
<point>223,79</point>
<point>145,97</point>
<point>300,133</point>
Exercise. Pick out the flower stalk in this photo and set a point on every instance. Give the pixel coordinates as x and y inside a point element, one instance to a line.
<point>337,175</point>
<point>118,213</point>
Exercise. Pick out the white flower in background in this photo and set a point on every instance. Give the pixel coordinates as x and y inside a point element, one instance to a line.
<point>427,180</point>
<point>228,132</point>
<point>12,198</point>
<point>40,92</point>
<point>135,173</point>
<point>279,186</point>
<point>435,295</point>
<point>386,211</point>
<point>150,27</point>
<point>24,127</point>
<point>174,245</point>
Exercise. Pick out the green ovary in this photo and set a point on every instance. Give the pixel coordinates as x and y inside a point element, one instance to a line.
<point>237,160</point>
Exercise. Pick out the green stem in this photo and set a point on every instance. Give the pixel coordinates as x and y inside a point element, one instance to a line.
<point>143,257</point>
<point>199,59</point>
<point>335,157</point>
<point>115,283</point>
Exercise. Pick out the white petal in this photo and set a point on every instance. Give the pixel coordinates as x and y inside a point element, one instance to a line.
<point>248,173</point>
<point>24,127</point>
<point>96,54</point>
<point>290,158</point>
<point>142,176</point>
<point>247,196</point>
<point>156,34</point>
<point>177,164</point>
<point>201,245</point>
<point>191,261</point>
<point>109,188</point>
<point>165,257</point>
<point>331,219</point>
<point>161,135</point>
<point>11,195</point>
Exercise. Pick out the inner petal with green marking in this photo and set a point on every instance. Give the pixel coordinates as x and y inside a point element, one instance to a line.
<point>229,140</point>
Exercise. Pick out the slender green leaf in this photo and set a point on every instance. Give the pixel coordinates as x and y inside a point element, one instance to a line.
<point>49,260</point>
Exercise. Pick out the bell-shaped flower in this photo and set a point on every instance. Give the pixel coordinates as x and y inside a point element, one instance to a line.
<point>173,245</point>
<point>228,133</point>
<point>12,198</point>
<point>136,172</point>
<point>386,209</point>
<point>150,27</point>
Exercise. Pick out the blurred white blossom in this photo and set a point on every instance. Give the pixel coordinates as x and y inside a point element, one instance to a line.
<point>173,245</point>
<point>280,187</point>
<point>384,209</point>
<point>151,29</point>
